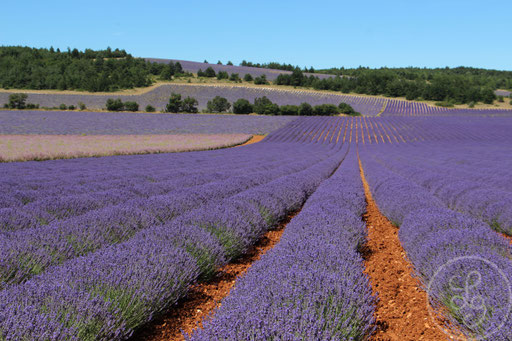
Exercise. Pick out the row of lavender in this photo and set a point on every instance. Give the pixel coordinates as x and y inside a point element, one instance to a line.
<point>311,285</point>
<point>395,130</point>
<point>464,265</point>
<point>100,273</point>
<point>80,213</point>
<point>395,107</point>
<point>473,179</point>
<point>159,97</point>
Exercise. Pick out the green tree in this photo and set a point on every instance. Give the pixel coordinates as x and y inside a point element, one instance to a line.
<point>17,101</point>
<point>289,110</point>
<point>248,77</point>
<point>209,72</point>
<point>114,104</point>
<point>234,77</point>
<point>131,106</point>
<point>175,103</point>
<point>305,109</point>
<point>264,106</point>
<point>218,104</point>
<point>150,108</point>
<point>325,110</point>
<point>189,105</point>
<point>347,109</point>
<point>242,106</point>
<point>261,80</point>
<point>222,75</point>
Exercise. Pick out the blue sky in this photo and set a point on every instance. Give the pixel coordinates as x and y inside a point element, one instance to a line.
<point>306,33</point>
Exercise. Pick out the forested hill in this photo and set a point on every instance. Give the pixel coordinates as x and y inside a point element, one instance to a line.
<point>105,70</point>
<point>460,85</point>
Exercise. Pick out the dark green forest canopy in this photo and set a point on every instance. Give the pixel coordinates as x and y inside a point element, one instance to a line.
<point>105,70</point>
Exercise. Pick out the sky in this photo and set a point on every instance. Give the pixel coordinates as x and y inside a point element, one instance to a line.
<point>319,33</point>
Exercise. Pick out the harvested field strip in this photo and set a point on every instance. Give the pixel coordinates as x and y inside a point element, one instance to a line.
<point>49,147</point>
<point>203,298</point>
<point>402,312</point>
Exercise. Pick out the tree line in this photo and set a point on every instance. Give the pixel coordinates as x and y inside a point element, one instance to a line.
<point>277,66</point>
<point>261,106</point>
<point>104,70</point>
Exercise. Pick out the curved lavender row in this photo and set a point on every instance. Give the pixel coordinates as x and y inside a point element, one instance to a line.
<point>29,182</point>
<point>109,293</point>
<point>432,237</point>
<point>396,107</point>
<point>486,163</point>
<point>47,210</point>
<point>101,123</point>
<point>490,205</point>
<point>193,67</point>
<point>311,285</point>
<point>30,251</point>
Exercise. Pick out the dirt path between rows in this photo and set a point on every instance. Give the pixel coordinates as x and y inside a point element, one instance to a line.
<point>253,139</point>
<point>204,298</point>
<point>401,312</point>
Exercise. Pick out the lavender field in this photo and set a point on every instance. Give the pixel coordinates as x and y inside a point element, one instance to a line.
<point>49,147</point>
<point>193,67</point>
<point>99,123</point>
<point>159,97</point>
<point>95,248</point>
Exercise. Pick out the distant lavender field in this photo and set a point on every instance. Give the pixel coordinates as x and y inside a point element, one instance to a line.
<point>48,147</point>
<point>159,97</point>
<point>100,123</point>
<point>504,93</point>
<point>193,67</point>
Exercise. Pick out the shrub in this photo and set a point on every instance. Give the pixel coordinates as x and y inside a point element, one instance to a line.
<point>32,106</point>
<point>150,108</point>
<point>175,103</point>
<point>222,75</point>
<point>17,101</point>
<point>264,106</point>
<point>347,109</point>
<point>234,77</point>
<point>248,77</point>
<point>305,109</point>
<point>242,106</point>
<point>325,110</point>
<point>131,106</point>
<point>189,105</point>
<point>289,110</point>
<point>218,104</point>
<point>209,72</point>
<point>114,104</point>
<point>63,107</point>
<point>501,99</point>
<point>71,107</point>
<point>261,80</point>
<point>82,106</point>
<point>472,104</point>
